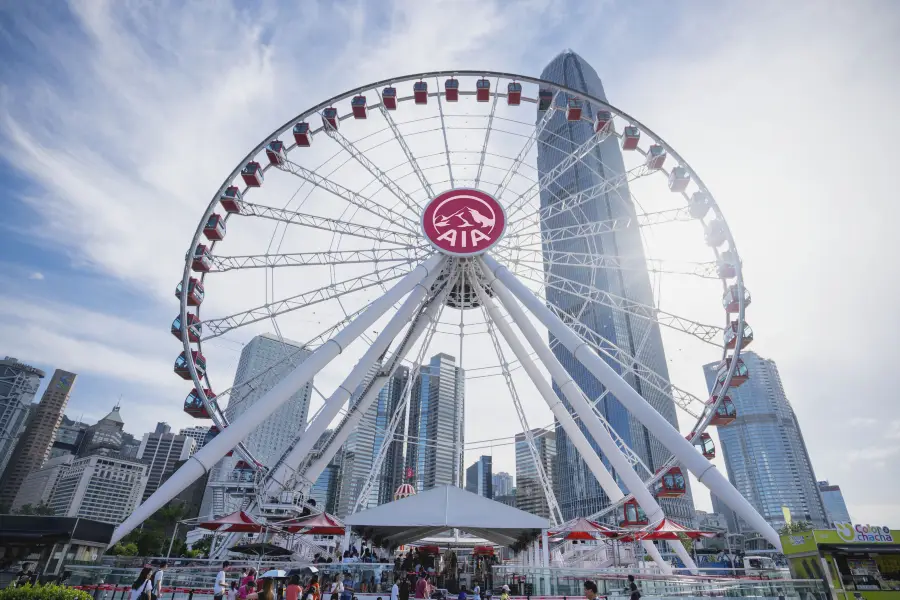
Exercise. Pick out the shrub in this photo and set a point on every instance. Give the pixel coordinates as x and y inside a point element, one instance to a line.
<point>43,592</point>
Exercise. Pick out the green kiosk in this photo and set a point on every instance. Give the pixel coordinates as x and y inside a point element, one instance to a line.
<point>856,561</point>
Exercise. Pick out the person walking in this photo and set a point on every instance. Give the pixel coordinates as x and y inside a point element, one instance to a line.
<point>403,592</point>
<point>421,587</point>
<point>219,587</point>
<point>632,589</point>
<point>395,590</point>
<point>293,588</point>
<point>157,580</point>
<point>142,588</point>
<point>590,590</point>
<point>337,588</point>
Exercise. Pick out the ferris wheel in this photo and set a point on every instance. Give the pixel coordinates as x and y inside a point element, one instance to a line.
<point>472,213</point>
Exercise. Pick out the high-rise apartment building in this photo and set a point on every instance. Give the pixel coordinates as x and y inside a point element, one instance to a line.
<point>479,477</point>
<point>33,448</point>
<point>37,488</point>
<point>326,489</point>
<point>265,361</point>
<point>104,438</point>
<point>18,385</point>
<point>436,424</point>
<point>764,450</point>
<point>162,452</point>
<point>530,495</point>
<point>69,437</point>
<point>640,338</point>
<point>503,484</point>
<point>99,487</point>
<point>163,427</point>
<point>198,433</point>
<point>835,507</point>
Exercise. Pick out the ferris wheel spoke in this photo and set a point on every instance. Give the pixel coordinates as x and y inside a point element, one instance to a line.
<point>444,131</point>
<point>705,270</point>
<point>405,147</point>
<point>392,186</point>
<point>331,257</point>
<point>529,143</point>
<point>216,327</point>
<point>487,134</point>
<point>378,234</point>
<point>358,200</point>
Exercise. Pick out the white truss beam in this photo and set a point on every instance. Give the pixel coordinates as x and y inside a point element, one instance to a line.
<point>529,143</point>
<point>329,257</point>
<point>410,157</point>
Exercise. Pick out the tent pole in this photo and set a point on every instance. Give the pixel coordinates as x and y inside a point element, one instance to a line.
<point>172,541</point>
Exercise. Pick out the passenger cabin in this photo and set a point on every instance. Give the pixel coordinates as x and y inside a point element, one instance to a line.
<point>679,179</point>
<point>726,265</point>
<point>716,233</point>
<point>252,174</point>
<point>725,412</point>
<point>358,105</point>
<point>634,515</point>
<point>195,292</point>
<point>451,90</point>
<point>389,98</point>
<point>182,369</point>
<point>705,442</point>
<point>514,93</point>
<point>214,230</point>
<point>656,157</point>
<point>420,92</point>
<point>231,199</point>
<point>330,117</point>
<point>545,99</point>
<point>275,152</point>
<point>698,205</point>
<point>302,134</point>
<point>573,110</point>
<point>630,138</point>
<point>731,299</point>
<point>483,90</point>
<point>671,485</point>
<point>741,373</point>
<point>194,327</point>
<point>201,261</point>
<point>193,404</point>
<point>603,120</point>
<point>731,335</point>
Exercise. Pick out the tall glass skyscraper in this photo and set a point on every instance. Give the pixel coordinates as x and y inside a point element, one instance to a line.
<point>764,450</point>
<point>577,491</point>
<point>835,507</point>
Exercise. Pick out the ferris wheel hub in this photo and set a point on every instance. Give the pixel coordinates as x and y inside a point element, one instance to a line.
<point>463,222</point>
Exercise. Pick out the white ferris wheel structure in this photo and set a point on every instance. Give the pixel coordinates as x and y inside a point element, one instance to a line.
<point>408,217</point>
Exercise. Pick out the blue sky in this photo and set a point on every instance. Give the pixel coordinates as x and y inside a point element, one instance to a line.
<point>119,119</point>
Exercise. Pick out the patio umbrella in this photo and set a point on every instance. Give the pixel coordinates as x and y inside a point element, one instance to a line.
<point>669,530</point>
<point>274,574</point>
<point>582,529</point>
<point>321,524</point>
<point>236,522</point>
<point>260,549</point>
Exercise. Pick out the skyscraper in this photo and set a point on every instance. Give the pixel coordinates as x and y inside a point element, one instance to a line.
<point>99,488</point>
<point>435,424</point>
<point>264,361</point>
<point>581,495</point>
<point>198,433</point>
<point>764,450</point>
<point>18,385</point>
<point>835,507</point>
<point>503,484</point>
<point>530,495</point>
<point>327,487</point>
<point>163,427</point>
<point>480,478</point>
<point>105,437</point>
<point>33,448</point>
<point>162,452</point>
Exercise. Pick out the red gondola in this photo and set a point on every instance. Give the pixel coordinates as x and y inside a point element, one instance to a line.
<point>716,233</point>
<point>656,157</point>
<point>630,138</point>
<point>731,298</point>
<point>194,327</point>
<point>420,92</point>
<point>573,110</point>
<point>731,335</point>
<point>725,412</point>
<point>358,105</point>
<point>679,179</point>
<point>302,135</point>
<point>451,90</point>
<point>181,365</point>
<point>726,265</point>
<point>193,405</point>
<point>275,152</point>
<point>330,117</point>
<point>514,93</point>
<point>252,174</point>
<point>545,99</point>
<point>482,90</point>
<point>707,446</point>
<point>698,205</point>
<point>201,261</point>
<point>603,120</point>
<point>389,98</point>
<point>741,373</point>
<point>195,292</point>
<point>214,229</point>
<point>231,199</point>
<point>671,485</point>
<point>633,514</point>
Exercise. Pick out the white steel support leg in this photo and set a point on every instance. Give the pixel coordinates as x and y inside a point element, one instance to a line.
<point>668,435</point>
<point>585,412</point>
<point>545,546</point>
<point>565,420</point>
<point>240,428</point>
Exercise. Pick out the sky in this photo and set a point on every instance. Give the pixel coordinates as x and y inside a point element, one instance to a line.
<point>120,119</point>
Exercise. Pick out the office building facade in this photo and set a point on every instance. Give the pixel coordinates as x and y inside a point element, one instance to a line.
<point>835,507</point>
<point>566,285</point>
<point>37,488</point>
<point>105,437</point>
<point>19,384</point>
<point>162,452</point>
<point>480,477</point>
<point>764,450</point>
<point>69,438</point>
<point>327,487</point>
<point>100,488</point>
<point>530,495</point>
<point>199,434</point>
<point>503,484</point>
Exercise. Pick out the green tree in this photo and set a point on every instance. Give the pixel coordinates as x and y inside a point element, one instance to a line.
<point>121,549</point>
<point>203,545</point>
<point>795,527</point>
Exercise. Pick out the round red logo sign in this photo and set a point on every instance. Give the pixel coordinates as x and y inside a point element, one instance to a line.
<point>463,222</point>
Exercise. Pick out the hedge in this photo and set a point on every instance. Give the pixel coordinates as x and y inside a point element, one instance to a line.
<point>43,592</point>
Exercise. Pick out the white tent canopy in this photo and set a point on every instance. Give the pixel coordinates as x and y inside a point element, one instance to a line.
<point>438,509</point>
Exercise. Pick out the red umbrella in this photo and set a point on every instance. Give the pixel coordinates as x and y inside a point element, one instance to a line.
<point>582,529</point>
<point>669,530</point>
<point>236,522</point>
<point>321,524</point>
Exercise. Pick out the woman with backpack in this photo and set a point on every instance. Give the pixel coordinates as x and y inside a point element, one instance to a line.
<point>142,587</point>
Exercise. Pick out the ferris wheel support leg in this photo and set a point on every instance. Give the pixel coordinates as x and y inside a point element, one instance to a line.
<point>595,427</point>
<point>335,402</point>
<point>668,435</point>
<point>240,428</point>
<point>590,457</point>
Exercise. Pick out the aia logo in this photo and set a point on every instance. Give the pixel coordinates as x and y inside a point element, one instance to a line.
<point>463,222</point>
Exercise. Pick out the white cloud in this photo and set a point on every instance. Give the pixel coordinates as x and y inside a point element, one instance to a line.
<point>37,276</point>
